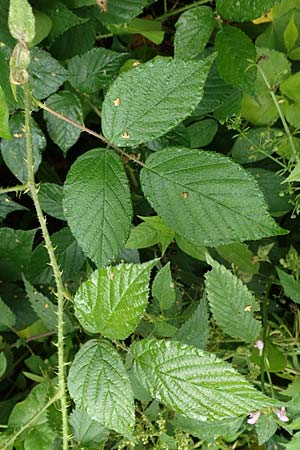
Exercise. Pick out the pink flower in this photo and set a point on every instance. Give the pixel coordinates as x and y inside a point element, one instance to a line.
<point>253,417</point>
<point>260,345</point>
<point>281,414</point>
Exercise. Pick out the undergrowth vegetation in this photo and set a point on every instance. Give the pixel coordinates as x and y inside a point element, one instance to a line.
<point>149,224</point>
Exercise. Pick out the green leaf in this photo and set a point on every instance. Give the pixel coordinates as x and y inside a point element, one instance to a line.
<point>150,29</point>
<point>97,204</point>
<point>163,288</point>
<point>95,69</point>
<point>255,144</point>
<point>190,248</point>
<point>51,197</point>
<point>259,112</point>
<point>7,205</point>
<point>64,134</point>
<point>239,255</point>
<point>195,330</point>
<point>14,150</point>
<point>265,428</point>
<point>231,303</point>
<point>7,317</point>
<point>205,197</point>
<point>236,58</point>
<point>46,74</point>
<point>4,116</point>
<point>208,430</point>
<point>150,232</point>
<point>119,11</point>
<point>69,256</point>
<point>43,25</point>
<point>202,133</point>
<point>21,20</point>
<point>290,286</point>
<point>15,252</point>
<point>3,364</point>
<point>96,364</point>
<point>40,438</point>
<point>290,34</point>
<point>291,87</point>
<point>275,67</point>
<point>243,10</point>
<point>292,114</point>
<point>173,87</point>
<point>86,430</point>
<point>193,30</point>
<point>192,382</point>
<point>112,294</point>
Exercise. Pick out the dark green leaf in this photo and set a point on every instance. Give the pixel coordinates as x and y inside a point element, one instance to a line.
<point>190,248</point>
<point>173,87</point>
<point>255,144</point>
<point>192,382</point>
<point>119,11</point>
<point>205,197</point>
<point>3,364</point>
<point>193,30</point>
<point>97,204</point>
<point>112,300</point>
<point>163,287</point>
<point>64,134</point>
<point>290,286</point>
<point>7,317</point>
<point>243,10</point>
<point>51,197</point>
<point>97,364</point>
<point>195,330</point>
<point>202,133</point>
<point>7,205</point>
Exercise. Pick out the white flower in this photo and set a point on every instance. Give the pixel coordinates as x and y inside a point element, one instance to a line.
<point>253,417</point>
<point>281,414</point>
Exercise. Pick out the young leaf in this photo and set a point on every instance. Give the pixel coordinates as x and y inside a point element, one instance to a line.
<point>193,30</point>
<point>7,317</point>
<point>96,364</point>
<point>21,20</point>
<point>192,382</point>
<point>86,430</point>
<point>4,116</point>
<point>243,10</point>
<point>290,286</point>
<point>95,69</point>
<point>112,300</point>
<point>236,53</point>
<point>290,34</point>
<point>163,288</point>
<point>195,330</point>
<point>231,303</point>
<point>64,134</point>
<point>14,150</point>
<point>173,87</point>
<point>205,197</point>
<point>97,204</point>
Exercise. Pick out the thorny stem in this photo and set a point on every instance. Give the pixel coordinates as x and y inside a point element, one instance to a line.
<point>163,17</point>
<point>89,131</point>
<point>55,267</point>
<point>20,188</point>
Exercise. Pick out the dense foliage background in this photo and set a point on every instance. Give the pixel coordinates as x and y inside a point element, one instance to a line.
<point>160,141</point>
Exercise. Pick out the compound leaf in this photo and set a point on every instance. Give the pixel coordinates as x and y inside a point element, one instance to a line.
<point>148,101</point>
<point>231,303</point>
<point>99,386</point>
<point>192,382</point>
<point>205,197</point>
<point>97,204</point>
<point>112,300</point>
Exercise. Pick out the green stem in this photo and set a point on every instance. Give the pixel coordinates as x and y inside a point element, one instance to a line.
<point>56,271</point>
<point>31,421</point>
<point>104,36</point>
<point>265,305</point>
<point>20,188</point>
<point>163,17</point>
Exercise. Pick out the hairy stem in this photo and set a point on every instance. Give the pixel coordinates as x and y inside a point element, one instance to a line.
<point>56,271</point>
<point>20,188</point>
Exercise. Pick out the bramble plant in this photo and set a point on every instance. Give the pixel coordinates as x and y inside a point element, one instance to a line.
<point>149,238</point>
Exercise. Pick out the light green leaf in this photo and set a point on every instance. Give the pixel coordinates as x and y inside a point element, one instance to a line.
<point>95,69</point>
<point>239,255</point>
<point>243,10</point>
<point>290,34</point>
<point>192,382</point>
<point>3,364</point>
<point>231,303</point>
<point>292,114</point>
<point>7,205</point>
<point>193,30</point>
<point>195,330</point>
<point>96,364</point>
<point>97,204</point>
<point>112,300</point>
<point>236,53</point>
<point>275,67</point>
<point>51,197</point>
<point>205,197</point>
<point>259,112</point>
<point>163,287</point>
<point>7,317</point>
<point>15,252</point>
<point>86,430</point>
<point>208,430</point>
<point>174,88</point>
<point>290,286</point>
<point>46,74</point>
<point>14,150</point>
<point>43,25</point>
<point>21,20</point>
<point>69,256</point>
<point>40,438</point>
<point>64,134</point>
<point>294,175</point>
<point>202,133</point>
<point>150,29</point>
<point>150,232</point>
<point>291,87</point>
<point>190,248</point>
<point>4,116</point>
<point>265,428</point>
